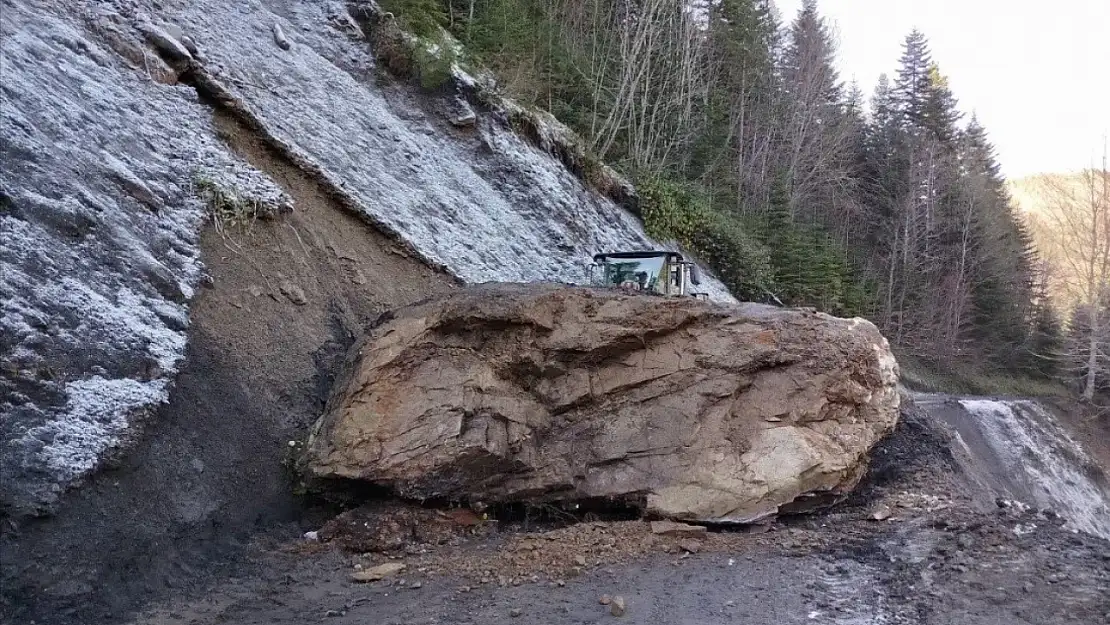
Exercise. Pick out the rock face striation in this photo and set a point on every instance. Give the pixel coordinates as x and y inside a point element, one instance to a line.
<point>694,410</point>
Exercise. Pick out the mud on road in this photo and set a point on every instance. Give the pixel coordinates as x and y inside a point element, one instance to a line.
<point>935,558</point>
<point>925,569</point>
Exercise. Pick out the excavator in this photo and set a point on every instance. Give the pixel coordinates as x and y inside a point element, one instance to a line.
<point>653,272</point>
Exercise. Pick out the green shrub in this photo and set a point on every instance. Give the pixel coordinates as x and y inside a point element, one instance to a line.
<point>800,265</point>
<point>433,62</point>
<point>422,18</point>
<point>673,212</point>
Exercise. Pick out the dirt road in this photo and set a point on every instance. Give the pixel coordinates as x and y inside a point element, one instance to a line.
<point>937,559</point>
<point>901,571</point>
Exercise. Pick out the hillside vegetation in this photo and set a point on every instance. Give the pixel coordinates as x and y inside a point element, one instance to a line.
<point>1069,217</point>
<point>748,149</point>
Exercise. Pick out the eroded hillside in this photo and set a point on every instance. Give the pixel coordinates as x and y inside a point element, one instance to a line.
<point>198,216</point>
<point>113,162</point>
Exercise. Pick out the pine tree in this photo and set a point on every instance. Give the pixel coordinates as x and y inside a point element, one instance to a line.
<point>809,60</point>
<point>912,85</point>
<point>857,224</point>
<point>1002,291</point>
<point>887,151</point>
<point>816,132</point>
<point>939,114</point>
<point>1044,349</point>
<point>733,154</point>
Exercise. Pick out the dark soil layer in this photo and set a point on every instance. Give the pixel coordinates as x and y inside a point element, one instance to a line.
<point>286,300</point>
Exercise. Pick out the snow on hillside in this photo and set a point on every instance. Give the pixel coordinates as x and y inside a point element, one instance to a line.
<point>489,207</point>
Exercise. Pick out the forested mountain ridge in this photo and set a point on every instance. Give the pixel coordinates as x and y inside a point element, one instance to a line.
<point>748,148</point>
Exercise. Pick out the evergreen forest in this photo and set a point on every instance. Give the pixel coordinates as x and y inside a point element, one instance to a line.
<point>747,148</point>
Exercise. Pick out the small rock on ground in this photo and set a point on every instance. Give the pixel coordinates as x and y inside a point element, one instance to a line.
<point>682,530</point>
<point>881,513</point>
<point>280,38</point>
<point>294,293</point>
<point>617,608</point>
<point>381,571</point>
<point>690,546</point>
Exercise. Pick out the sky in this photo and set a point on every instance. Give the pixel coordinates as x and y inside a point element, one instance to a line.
<point>1036,73</point>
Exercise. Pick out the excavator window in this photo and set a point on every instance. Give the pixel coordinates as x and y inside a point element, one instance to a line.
<point>642,273</point>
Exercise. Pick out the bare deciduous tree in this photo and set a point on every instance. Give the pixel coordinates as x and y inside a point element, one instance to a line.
<point>1078,216</point>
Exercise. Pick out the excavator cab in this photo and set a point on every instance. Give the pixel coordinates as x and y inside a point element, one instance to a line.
<point>653,272</point>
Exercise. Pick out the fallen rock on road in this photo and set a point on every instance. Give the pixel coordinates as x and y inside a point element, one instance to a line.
<point>681,530</point>
<point>692,410</point>
<point>376,573</point>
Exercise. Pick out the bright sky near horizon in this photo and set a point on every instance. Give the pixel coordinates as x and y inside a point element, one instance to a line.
<point>1037,74</point>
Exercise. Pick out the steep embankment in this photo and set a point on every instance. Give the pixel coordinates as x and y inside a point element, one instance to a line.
<point>120,310</point>
<point>101,211</point>
<point>1017,449</point>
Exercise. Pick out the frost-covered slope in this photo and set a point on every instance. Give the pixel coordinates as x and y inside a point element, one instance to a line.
<point>488,205</point>
<point>99,217</point>
<point>1053,469</point>
<point>98,254</point>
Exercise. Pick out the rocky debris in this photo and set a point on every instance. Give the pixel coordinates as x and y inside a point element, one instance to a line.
<point>379,572</point>
<point>294,293</point>
<point>339,18</point>
<point>167,44</point>
<point>462,115</point>
<point>605,600</point>
<point>881,513</point>
<point>541,392</point>
<point>680,530</point>
<point>690,546</point>
<point>396,528</point>
<point>515,612</point>
<point>190,45</point>
<point>556,555</point>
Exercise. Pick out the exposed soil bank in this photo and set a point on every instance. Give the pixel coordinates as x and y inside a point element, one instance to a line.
<point>286,299</point>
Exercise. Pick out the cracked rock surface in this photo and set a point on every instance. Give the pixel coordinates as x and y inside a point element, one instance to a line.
<point>696,411</point>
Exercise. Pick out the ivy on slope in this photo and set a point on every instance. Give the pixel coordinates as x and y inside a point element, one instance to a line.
<point>673,212</point>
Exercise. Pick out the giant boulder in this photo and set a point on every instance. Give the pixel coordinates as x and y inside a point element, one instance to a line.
<point>694,410</point>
